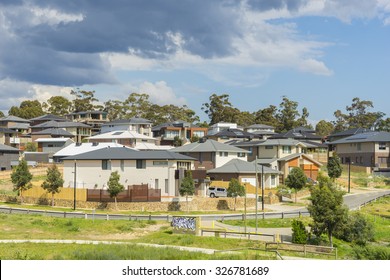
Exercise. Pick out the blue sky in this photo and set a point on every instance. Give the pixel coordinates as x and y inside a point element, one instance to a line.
<point>320,53</point>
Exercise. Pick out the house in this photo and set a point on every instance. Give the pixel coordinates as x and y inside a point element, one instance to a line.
<point>232,134</point>
<point>12,121</point>
<point>52,145</point>
<point>95,119</point>
<point>46,118</point>
<point>79,131</point>
<point>7,155</point>
<point>245,172</point>
<point>261,130</point>
<point>123,137</point>
<point>51,133</point>
<point>217,127</point>
<point>167,132</point>
<point>299,133</point>
<point>210,154</point>
<point>7,136</point>
<point>368,149</point>
<point>139,125</point>
<point>155,168</point>
<point>346,133</point>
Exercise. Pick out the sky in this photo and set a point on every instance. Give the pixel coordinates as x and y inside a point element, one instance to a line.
<point>320,53</point>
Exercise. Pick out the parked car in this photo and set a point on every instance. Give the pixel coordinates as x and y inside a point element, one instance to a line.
<point>311,181</point>
<point>216,192</point>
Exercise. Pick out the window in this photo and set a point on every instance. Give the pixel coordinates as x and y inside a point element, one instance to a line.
<point>223,154</point>
<point>156,184</point>
<point>160,163</point>
<point>287,149</point>
<point>141,164</point>
<point>359,146</point>
<point>106,164</point>
<point>122,165</point>
<point>269,147</point>
<point>273,180</point>
<point>166,186</point>
<point>171,133</point>
<point>250,151</point>
<point>382,146</point>
<point>241,154</point>
<point>200,134</point>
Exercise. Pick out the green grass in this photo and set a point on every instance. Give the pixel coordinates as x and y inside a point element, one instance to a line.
<point>267,223</point>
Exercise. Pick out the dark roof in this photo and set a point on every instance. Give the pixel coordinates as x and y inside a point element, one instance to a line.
<point>270,142</point>
<point>373,136</point>
<point>126,153</point>
<point>178,123</point>
<point>53,132</point>
<point>14,119</point>
<point>87,112</point>
<point>48,117</point>
<point>298,133</point>
<point>128,121</point>
<point>6,148</point>
<point>55,124</point>
<point>234,133</point>
<point>349,132</point>
<point>6,130</point>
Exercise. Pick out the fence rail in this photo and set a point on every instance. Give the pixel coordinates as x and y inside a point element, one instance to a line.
<point>302,248</point>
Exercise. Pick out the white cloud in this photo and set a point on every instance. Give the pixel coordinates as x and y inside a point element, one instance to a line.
<point>160,93</point>
<point>52,16</point>
<point>43,92</point>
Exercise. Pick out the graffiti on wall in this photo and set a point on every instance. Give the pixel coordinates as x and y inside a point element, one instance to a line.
<point>184,223</point>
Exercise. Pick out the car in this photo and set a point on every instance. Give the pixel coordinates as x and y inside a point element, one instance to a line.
<point>311,181</point>
<point>216,192</point>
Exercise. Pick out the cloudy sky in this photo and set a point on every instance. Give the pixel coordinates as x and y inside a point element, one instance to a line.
<point>321,53</point>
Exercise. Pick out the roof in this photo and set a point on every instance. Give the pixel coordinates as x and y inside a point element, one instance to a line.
<point>56,124</point>
<point>48,117</point>
<point>6,148</point>
<point>126,153</point>
<point>53,131</point>
<point>80,148</point>
<point>260,126</point>
<point>241,166</point>
<point>299,133</point>
<point>270,142</point>
<point>121,134</point>
<point>6,130</point>
<point>129,121</point>
<point>14,119</point>
<point>142,146</point>
<point>44,140</point>
<point>87,112</point>
<point>263,132</point>
<point>208,146</point>
<point>233,133</point>
<point>292,156</point>
<point>349,132</point>
<point>19,126</point>
<point>373,136</point>
<point>177,123</point>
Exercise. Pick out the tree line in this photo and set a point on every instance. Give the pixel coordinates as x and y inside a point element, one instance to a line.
<point>283,117</point>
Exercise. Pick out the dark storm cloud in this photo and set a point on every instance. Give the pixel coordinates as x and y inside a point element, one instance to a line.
<point>66,52</point>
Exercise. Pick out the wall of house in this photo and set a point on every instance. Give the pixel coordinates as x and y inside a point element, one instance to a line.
<point>203,160</point>
<point>222,160</point>
<point>6,158</point>
<point>355,148</point>
<point>268,153</point>
<point>90,173</point>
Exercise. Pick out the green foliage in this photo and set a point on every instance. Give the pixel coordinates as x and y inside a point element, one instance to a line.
<point>356,229</point>
<point>334,167</point>
<point>177,141</point>
<point>27,109</point>
<point>371,252</point>
<point>114,187</point>
<point>53,182</point>
<point>21,178</point>
<point>84,100</point>
<point>299,233</point>
<point>1,114</point>
<point>235,189</point>
<point>187,186</point>
<point>58,105</point>
<point>31,147</point>
<point>327,209</point>
<point>324,128</point>
<point>296,180</point>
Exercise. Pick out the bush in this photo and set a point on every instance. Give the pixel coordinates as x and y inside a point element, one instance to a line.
<point>357,229</point>
<point>371,253</point>
<point>300,234</point>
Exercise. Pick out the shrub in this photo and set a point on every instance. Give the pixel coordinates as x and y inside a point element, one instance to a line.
<point>371,253</point>
<point>300,234</point>
<point>357,229</point>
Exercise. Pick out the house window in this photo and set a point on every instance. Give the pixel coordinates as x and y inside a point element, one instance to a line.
<point>250,151</point>
<point>269,147</point>
<point>156,184</point>
<point>359,146</point>
<point>160,163</point>
<point>122,165</point>
<point>273,180</point>
<point>223,154</point>
<point>171,133</point>
<point>166,186</point>
<point>106,164</point>
<point>287,149</point>
<point>141,164</point>
<point>382,146</point>
<point>200,134</point>
<point>240,154</point>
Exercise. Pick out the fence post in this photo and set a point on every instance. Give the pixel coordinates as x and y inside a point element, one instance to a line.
<point>64,214</point>
<point>282,215</point>
<point>243,217</point>
<point>86,216</point>
<point>130,217</point>
<point>150,217</point>
<point>263,215</point>
<point>28,211</point>
<point>108,217</point>
<point>10,210</point>
<point>168,218</point>
<point>300,214</point>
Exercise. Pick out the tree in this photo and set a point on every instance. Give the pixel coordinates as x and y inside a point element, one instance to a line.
<point>356,229</point>
<point>53,182</point>
<point>114,187</point>
<point>302,121</point>
<point>383,125</point>
<point>1,114</point>
<point>334,167</point>
<point>177,141</point>
<point>324,128</point>
<point>28,109</point>
<point>326,208</point>
<point>267,116</point>
<point>84,100</point>
<point>299,232</point>
<point>21,178</point>
<point>58,105</point>
<point>296,180</point>
<point>235,189</point>
<point>31,147</point>
<point>287,115</point>
<point>115,109</point>
<point>219,109</point>
<point>187,186</point>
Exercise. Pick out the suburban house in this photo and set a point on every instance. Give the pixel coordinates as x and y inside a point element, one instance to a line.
<point>155,168</point>
<point>95,119</point>
<point>79,131</point>
<point>217,127</point>
<point>282,155</point>
<point>261,130</point>
<point>167,132</point>
<point>52,145</point>
<point>51,133</point>
<point>7,155</point>
<point>139,125</point>
<point>368,149</point>
<point>7,136</point>
<point>123,137</point>
<point>346,133</point>
<point>232,134</point>
<point>245,172</point>
<point>13,122</point>
<point>210,154</point>
<point>299,133</point>
<point>46,118</point>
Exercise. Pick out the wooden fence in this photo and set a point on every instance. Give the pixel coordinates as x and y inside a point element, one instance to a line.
<point>65,193</point>
<point>134,193</point>
<point>302,248</point>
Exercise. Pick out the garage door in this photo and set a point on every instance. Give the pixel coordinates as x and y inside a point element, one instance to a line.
<point>251,181</point>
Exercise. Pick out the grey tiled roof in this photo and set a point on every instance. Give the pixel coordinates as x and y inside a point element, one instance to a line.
<point>14,119</point>
<point>129,121</point>
<point>373,136</point>
<point>8,148</point>
<point>54,131</point>
<point>241,166</point>
<point>208,146</point>
<point>55,124</point>
<point>48,117</point>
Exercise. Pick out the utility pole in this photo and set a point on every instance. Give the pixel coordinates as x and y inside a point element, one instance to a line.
<point>262,188</point>
<point>257,194</point>
<point>74,185</point>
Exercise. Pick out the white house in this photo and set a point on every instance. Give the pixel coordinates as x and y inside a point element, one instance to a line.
<point>155,168</point>
<point>139,125</point>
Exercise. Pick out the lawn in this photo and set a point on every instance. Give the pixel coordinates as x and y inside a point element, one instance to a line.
<point>267,223</point>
